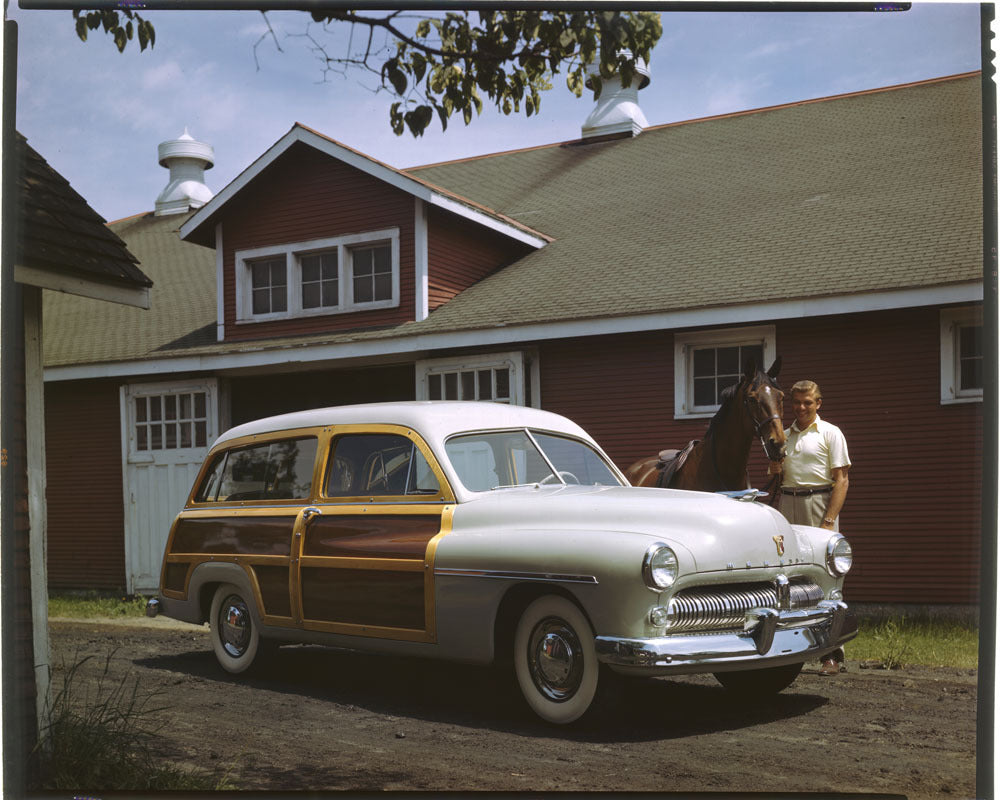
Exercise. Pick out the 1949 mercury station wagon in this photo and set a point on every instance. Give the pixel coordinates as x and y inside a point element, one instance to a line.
<point>486,533</point>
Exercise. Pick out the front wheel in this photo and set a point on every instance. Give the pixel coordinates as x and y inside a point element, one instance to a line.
<point>235,638</point>
<point>756,682</point>
<point>554,659</point>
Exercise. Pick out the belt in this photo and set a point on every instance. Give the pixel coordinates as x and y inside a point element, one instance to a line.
<point>803,492</point>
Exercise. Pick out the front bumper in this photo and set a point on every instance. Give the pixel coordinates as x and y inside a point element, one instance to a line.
<point>769,638</point>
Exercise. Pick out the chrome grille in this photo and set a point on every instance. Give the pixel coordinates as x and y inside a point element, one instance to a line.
<point>715,608</point>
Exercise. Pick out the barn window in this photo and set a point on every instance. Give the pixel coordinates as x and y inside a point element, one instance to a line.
<point>322,276</point>
<point>962,355</point>
<point>320,280</point>
<point>707,362</point>
<point>269,286</point>
<point>174,421</point>
<point>372,272</point>
<point>497,377</point>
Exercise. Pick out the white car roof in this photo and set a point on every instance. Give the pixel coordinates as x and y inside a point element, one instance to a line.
<point>434,420</point>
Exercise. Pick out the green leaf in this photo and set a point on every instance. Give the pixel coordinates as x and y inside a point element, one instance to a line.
<point>467,114</point>
<point>396,76</point>
<point>81,29</point>
<point>128,30</point>
<point>443,115</point>
<point>423,29</point>
<point>419,66</point>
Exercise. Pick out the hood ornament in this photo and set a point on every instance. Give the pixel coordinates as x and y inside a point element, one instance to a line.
<point>779,544</point>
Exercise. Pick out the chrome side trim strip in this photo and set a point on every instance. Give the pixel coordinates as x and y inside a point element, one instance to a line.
<point>519,576</point>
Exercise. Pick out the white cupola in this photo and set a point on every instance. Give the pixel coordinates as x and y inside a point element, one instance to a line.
<point>187,161</point>
<point>617,110</point>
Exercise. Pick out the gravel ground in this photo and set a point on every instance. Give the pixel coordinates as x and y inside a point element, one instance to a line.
<point>320,719</point>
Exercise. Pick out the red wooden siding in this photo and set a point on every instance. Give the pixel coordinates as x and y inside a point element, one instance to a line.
<point>307,195</point>
<point>461,252</point>
<point>265,395</point>
<point>913,511</point>
<point>86,519</point>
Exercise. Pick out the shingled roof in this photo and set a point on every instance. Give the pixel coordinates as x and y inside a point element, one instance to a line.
<point>870,192</point>
<point>59,232</point>
<point>182,312</point>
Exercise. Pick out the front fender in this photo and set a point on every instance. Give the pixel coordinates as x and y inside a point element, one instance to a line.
<point>602,571</point>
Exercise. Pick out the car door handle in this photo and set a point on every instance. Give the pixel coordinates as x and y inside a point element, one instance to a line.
<point>309,513</point>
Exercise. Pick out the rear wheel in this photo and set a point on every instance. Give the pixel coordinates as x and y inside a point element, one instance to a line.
<point>235,638</point>
<point>757,682</point>
<point>554,659</point>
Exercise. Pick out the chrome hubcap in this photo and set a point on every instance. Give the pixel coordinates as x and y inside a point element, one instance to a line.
<point>556,659</point>
<point>234,626</point>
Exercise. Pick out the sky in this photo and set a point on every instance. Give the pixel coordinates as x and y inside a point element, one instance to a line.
<point>97,116</point>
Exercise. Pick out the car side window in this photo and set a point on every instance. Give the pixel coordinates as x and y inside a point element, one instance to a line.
<point>378,465</point>
<point>280,470</point>
<point>209,489</point>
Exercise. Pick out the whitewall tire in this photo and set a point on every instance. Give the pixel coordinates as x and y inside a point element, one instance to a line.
<point>554,659</point>
<point>234,629</point>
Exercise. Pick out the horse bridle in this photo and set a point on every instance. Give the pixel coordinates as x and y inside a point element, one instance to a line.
<point>760,425</point>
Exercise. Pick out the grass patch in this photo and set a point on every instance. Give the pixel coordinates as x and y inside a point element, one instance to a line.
<point>96,604</point>
<point>99,738</point>
<point>898,641</point>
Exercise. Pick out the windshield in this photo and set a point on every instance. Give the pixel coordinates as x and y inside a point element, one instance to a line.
<point>498,459</point>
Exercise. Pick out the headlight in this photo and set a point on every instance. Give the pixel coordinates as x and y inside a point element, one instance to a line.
<point>659,567</point>
<point>838,555</point>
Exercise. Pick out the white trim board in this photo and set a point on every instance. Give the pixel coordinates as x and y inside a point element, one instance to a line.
<point>367,165</point>
<point>507,335</point>
<point>137,296</point>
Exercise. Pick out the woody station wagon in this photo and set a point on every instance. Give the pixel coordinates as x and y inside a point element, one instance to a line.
<point>485,533</point>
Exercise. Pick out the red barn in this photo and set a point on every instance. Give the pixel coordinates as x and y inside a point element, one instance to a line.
<point>619,279</point>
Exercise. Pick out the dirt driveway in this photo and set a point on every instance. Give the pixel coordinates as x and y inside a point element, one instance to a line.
<point>320,719</point>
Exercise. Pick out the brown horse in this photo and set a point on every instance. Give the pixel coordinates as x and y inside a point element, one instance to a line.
<point>718,462</point>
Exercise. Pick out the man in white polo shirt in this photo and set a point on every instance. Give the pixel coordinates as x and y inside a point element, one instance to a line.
<point>814,474</point>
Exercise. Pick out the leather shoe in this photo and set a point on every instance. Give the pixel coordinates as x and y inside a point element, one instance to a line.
<point>830,667</point>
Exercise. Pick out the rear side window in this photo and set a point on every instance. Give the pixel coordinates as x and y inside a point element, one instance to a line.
<point>378,464</point>
<point>279,470</point>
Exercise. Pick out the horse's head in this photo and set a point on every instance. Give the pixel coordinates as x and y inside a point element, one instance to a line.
<point>762,400</point>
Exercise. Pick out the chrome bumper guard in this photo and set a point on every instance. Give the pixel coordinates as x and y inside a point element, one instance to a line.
<point>152,607</point>
<point>769,638</point>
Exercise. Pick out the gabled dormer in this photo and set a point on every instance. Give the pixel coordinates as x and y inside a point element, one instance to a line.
<point>315,236</point>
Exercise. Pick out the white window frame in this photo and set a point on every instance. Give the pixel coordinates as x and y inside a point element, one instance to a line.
<point>951,320</point>
<point>513,360</point>
<point>129,393</point>
<point>686,343</point>
<point>293,271</point>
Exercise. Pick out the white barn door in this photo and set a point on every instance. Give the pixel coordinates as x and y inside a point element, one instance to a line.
<point>167,429</point>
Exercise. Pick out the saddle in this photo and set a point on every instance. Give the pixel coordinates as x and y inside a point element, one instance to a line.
<point>670,461</point>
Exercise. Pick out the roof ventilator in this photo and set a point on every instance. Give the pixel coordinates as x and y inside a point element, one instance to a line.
<point>617,112</point>
<point>187,161</point>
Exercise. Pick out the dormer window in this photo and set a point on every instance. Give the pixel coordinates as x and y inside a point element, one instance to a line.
<point>269,286</point>
<point>320,280</point>
<point>323,276</point>
<point>372,268</point>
